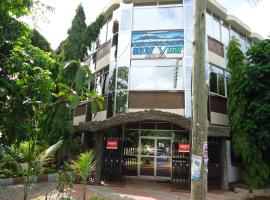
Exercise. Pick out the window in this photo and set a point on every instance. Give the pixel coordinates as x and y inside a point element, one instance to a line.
<point>213,82</point>
<point>225,36</point>
<point>156,75</point>
<point>102,81</point>
<point>167,18</point>
<point>242,41</point>
<point>209,24</point>
<point>106,32</point>
<point>216,29</point>
<point>219,81</point>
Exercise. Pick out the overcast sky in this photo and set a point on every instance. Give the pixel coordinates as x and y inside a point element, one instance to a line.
<point>55,30</point>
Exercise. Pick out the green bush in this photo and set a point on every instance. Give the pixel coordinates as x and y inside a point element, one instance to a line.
<point>95,197</point>
<point>48,170</point>
<point>7,173</point>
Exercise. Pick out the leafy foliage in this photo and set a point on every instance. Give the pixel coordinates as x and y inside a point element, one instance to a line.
<point>85,166</point>
<point>65,178</point>
<point>249,110</point>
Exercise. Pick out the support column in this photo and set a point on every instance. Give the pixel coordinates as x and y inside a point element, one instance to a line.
<point>224,165</point>
<point>99,157</point>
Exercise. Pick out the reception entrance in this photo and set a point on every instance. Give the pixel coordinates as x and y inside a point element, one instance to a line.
<point>155,157</point>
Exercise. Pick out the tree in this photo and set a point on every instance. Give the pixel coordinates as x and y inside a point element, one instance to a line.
<point>26,91</point>
<point>249,106</point>
<point>71,51</point>
<point>74,48</point>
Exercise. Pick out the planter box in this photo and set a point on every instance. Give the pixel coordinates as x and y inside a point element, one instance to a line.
<point>17,180</point>
<point>52,177</point>
<point>42,178</point>
<point>6,181</point>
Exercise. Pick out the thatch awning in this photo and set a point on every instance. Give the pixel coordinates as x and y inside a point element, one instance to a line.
<point>148,115</point>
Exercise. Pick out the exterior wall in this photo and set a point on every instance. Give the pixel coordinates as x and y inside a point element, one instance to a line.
<point>234,173</point>
<point>219,119</point>
<point>79,119</point>
<point>103,62</point>
<point>121,98</point>
<point>175,111</point>
<point>100,116</point>
<point>216,59</point>
<point>165,100</point>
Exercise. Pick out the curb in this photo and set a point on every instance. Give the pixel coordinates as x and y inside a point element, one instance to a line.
<point>35,179</point>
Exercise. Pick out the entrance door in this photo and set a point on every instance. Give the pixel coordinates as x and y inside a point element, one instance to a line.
<point>155,157</point>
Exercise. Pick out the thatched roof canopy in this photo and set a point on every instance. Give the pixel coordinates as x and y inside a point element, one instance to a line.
<point>148,115</point>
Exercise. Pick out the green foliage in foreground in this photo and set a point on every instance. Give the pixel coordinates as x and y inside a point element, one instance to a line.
<point>85,166</point>
<point>249,107</point>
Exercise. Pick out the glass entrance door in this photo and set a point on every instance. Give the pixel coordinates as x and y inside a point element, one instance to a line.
<point>147,160</point>
<point>155,157</point>
<point>163,158</point>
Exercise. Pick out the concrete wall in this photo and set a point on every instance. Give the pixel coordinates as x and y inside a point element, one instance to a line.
<point>78,119</point>
<point>216,59</point>
<point>219,119</point>
<point>100,116</point>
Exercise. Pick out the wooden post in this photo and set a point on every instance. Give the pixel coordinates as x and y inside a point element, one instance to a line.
<point>99,157</point>
<point>199,100</point>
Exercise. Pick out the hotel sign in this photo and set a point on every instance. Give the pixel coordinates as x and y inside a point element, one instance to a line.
<point>112,144</point>
<point>157,44</point>
<point>183,148</point>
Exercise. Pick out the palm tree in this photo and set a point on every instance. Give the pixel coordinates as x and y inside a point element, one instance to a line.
<point>35,163</point>
<point>85,166</point>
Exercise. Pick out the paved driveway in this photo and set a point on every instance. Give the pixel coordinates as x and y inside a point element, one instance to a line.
<point>132,190</point>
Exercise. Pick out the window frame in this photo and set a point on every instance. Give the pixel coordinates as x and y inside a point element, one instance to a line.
<point>226,76</point>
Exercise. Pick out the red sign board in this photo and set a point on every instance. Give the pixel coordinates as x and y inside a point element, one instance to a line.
<point>112,144</point>
<point>183,147</point>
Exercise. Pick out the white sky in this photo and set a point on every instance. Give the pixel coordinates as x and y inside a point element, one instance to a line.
<point>55,30</point>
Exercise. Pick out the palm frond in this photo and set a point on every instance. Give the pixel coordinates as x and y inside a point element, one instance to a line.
<point>86,164</point>
<point>47,155</point>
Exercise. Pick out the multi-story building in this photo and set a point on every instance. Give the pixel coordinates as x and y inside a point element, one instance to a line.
<point>142,63</point>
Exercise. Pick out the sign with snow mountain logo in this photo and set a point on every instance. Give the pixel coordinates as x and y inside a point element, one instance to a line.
<point>157,44</point>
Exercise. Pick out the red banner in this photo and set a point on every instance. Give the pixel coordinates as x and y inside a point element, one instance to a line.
<point>183,147</point>
<point>112,144</point>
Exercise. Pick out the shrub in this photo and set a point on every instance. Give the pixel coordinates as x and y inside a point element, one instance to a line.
<point>48,170</point>
<point>95,197</point>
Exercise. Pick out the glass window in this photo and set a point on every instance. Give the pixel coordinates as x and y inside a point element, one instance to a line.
<point>234,33</point>
<point>99,84</point>
<point>103,34</point>
<point>126,16</point>
<point>105,87</point>
<point>209,25</point>
<point>221,85</point>
<point>216,30</point>
<point>163,62</point>
<point>152,78</point>
<point>110,30</point>
<point>219,80</point>
<point>225,35</point>
<point>242,42</point>
<point>249,43</point>
<point>112,77</point>
<point>110,108</point>
<point>121,102</point>
<point>122,78</point>
<point>189,16</point>
<point>213,82</point>
<point>167,18</point>
<point>228,86</point>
